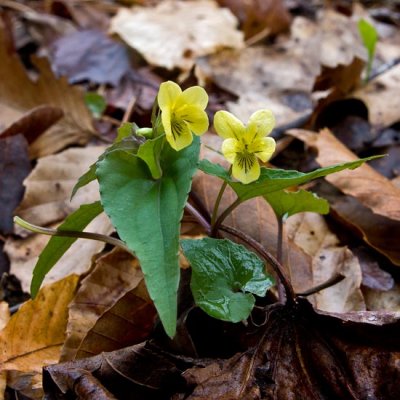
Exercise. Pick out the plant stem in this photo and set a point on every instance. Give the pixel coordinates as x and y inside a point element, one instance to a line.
<point>279,243</point>
<point>330,282</point>
<point>227,211</point>
<point>275,264</point>
<point>199,217</point>
<point>73,234</point>
<point>217,202</point>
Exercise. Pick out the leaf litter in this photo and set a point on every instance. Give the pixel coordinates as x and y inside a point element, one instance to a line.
<point>285,351</point>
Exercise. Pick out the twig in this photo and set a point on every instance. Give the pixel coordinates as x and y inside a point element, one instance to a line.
<point>330,282</point>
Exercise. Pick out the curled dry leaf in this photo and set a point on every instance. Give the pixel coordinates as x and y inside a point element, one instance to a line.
<point>310,232</point>
<point>365,184</point>
<point>19,94</point>
<point>114,277</point>
<point>34,335</point>
<point>174,33</point>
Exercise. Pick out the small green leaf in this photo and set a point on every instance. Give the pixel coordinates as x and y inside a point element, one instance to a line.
<point>96,103</point>
<point>369,36</point>
<point>272,180</point>
<point>150,152</point>
<point>57,246</point>
<point>224,276</point>
<point>125,130</point>
<point>147,212</point>
<point>286,204</point>
<point>128,144</point>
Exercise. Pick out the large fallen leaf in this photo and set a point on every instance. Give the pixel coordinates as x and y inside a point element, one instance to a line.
<point>310,232</point>
<point>174,33</point>
<point>14,167</point>
<point>365,184</point>
<point>112,276</point>
<point>34,335</point>
<point>282,77</point>
<point>20,94</point>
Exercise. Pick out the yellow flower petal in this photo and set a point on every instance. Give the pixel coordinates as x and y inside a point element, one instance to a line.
<point>228,126</point>
<point>168,94</point>
<point>230,148</point>
<point>180,135</point>
<point>246,168</point>
<point>195,117</point>
<point>263,148</point>
<point>195,95</point>
<point>260,124</point>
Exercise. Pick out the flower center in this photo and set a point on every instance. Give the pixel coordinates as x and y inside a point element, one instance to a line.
<point>246,160</point>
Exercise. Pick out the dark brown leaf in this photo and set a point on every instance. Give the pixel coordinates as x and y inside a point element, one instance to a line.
<point>14,168</point>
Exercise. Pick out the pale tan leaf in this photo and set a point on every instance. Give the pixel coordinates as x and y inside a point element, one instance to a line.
<point>310,232</point>
<point>113,275</point>
<point>174,33</point>
<point>49,186</point>
<point>4,314</point>
<point>21,94</point>
<point>369,187</point>
<point>34,335</point>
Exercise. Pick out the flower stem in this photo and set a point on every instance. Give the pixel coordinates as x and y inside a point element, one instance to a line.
<point>275,264</point>
<point>217,202</point>
<point>199,218</point>
<point>73,234</point>
<point>227,211</point>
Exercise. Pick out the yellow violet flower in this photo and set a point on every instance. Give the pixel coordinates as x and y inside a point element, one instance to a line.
<point>182,113</point>
<point>244,144</point>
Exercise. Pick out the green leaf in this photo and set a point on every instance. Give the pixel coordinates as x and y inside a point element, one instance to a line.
<point>150,152</point>
<point>272,180</point>
<point>146,213</point>
<point>96,103</point>
<point>125,130</point>
<point>128,144</point>
<point>224,274</point>
<point>57,246</point>
<point>369,36</point>
<point>286,204</point>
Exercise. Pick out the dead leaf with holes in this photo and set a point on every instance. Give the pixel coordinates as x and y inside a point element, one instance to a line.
<point>173,33</point>
<point>34,335</point>
<point>47,202</point>
<point>19,94</point>
<point>115,278</point>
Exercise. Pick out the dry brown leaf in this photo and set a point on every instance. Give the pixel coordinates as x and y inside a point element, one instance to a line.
<point>129,321</point>
<point>4,314</point>
<point>254,217</point>
<point>20,94</point>
<point>174,33</point>
<point>34,335</point>
<point>382,99</point>
<point>113,275</point>
<point>365,184</point>
<point>282,77</point>
<point>311,233</point>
